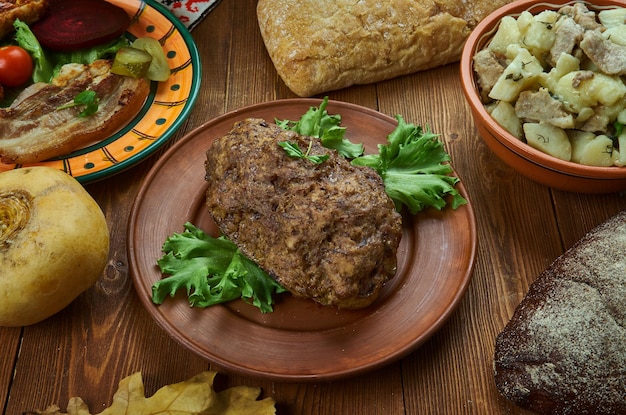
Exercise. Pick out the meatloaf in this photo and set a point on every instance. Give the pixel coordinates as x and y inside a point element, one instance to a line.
<point>326,231</point>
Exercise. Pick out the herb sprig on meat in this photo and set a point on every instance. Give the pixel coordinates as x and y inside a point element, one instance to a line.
<point>414,164</point>
<point>316,122</point>
<point>294,151</point>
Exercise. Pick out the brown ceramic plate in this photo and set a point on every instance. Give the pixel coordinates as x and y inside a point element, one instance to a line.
<point>300,340</point>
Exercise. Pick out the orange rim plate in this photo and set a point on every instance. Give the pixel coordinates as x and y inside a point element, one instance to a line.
<point>167,106</point>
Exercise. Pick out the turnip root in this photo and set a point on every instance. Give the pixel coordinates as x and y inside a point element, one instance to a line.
<point>54,243</point>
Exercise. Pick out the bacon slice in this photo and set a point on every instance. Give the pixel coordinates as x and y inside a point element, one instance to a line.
<point>34,129</point>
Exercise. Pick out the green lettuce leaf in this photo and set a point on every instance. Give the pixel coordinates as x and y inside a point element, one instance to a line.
<point>211,271</point>
<point>415,169</point>
<point>43,68</point>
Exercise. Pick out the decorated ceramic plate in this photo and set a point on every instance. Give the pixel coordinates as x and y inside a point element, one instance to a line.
<point>300,340</point>
<point>167,106</point>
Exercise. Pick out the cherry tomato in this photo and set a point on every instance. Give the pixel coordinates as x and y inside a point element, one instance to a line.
<point>16,66</point>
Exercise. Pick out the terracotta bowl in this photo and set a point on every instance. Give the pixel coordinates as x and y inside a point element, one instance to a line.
<point>532,163</point>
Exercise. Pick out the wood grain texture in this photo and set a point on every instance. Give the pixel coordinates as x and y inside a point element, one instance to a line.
<point>105,335</point>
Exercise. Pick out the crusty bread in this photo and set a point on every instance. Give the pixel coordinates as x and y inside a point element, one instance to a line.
<point>323,45</point>
<point>564,350</point>
<point>28,11</point>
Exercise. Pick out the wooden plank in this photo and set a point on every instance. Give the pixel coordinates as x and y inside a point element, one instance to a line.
<point>9,352</point>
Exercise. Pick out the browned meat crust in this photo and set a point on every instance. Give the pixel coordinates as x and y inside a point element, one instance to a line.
<point>34,129</point>
<point>328,232</point>
<point>28,11</point>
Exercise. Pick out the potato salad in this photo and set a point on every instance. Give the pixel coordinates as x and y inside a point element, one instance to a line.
<point>554,80</point>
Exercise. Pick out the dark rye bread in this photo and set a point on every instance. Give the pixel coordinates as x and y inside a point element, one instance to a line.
<point>564,349</point>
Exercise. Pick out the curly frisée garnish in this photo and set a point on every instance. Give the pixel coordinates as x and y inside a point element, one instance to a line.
<point>415,169</point>
<point>212,271</point>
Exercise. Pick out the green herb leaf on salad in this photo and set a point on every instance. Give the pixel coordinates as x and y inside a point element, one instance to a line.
<point>293,150</point>
<point>212,271</point>
<point>316,122</point>
<point>88,99</point>
<point>88,55</point>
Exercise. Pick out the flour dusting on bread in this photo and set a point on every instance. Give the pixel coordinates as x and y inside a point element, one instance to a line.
<point>564,349</point>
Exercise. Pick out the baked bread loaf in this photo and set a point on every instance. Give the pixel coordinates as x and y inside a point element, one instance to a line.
<point>323,45</point>
<point>564,349</point>
<point>28,11</point>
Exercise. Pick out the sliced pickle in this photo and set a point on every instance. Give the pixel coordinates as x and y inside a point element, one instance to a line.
<point>159,69</point>
<point>132,62</point>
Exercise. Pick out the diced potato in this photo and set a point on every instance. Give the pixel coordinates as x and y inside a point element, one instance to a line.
<point>605,89</point>
<point>571,96</point>
<point>600,88</point>
<point>579,140</point>
<point>513,50</point>
<point>584,114</point>
<point>610,112</point>
<point>598,152</point>
<point>612,17</point>
<point>619,108</point>
<point>508,33</point>
<point>616,34</point>
<point>565,64</point>
<point>504,114</point>
<point>524,20</point>
<point>621,117</point>
<point>549,139</point>
<point>517,76</point>
<point>541,33</point>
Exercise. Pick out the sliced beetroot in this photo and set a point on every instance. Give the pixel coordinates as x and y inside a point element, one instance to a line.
<point>72,25</point>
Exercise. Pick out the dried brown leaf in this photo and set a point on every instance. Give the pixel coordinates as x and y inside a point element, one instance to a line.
<point>194,396</point>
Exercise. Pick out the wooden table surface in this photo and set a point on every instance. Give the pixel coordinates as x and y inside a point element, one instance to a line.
<point>106,334</point>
